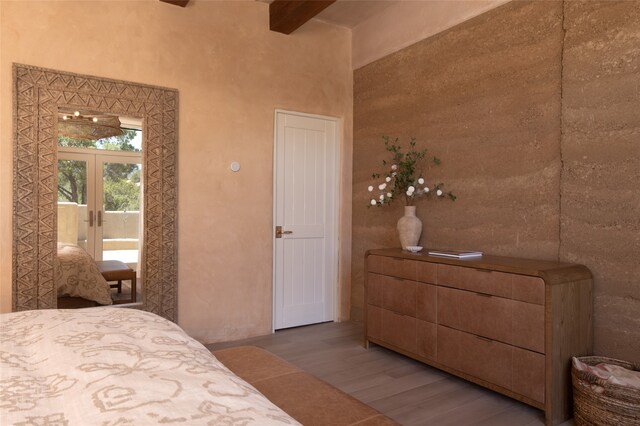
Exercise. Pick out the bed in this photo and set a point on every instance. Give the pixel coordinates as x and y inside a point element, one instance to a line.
<point>77,277</point>
<point>115,367</point>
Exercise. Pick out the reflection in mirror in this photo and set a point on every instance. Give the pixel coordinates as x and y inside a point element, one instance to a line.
<point>87,125</point>
<point>35,180</point>
<point>99,207</point>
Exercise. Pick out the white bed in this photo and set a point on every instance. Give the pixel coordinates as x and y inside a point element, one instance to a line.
<point>117,367</point>
<point>77,275</point>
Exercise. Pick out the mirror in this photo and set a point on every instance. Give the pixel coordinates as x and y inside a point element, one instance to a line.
<point>99,171</point>
<point>42,97</point>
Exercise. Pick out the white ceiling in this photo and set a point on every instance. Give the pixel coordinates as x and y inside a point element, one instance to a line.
<point>350,13</point>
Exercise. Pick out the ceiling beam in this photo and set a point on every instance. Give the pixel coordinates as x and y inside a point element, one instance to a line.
<point>181,3</point>
<point>286,16</point>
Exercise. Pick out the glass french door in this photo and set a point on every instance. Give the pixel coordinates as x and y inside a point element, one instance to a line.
<point>99,203</point>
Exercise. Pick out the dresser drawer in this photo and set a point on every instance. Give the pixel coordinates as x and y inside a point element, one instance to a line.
<point>481,280</point>
<point>399,330</point>
<point>399,295</point>
<point>481,358</point>
<point>398,267</point>
<point>374,289</point>
<point>528,374</point>
<point>480,314</point>
<point>374,263</point>
<point>516,369</point>
<point>448,275</point>
<point>528,326</point>
<point>374,322</point>
<point>512,286</point>
<point>427,333</point>
<point>448,347</point>
<point>528,289</point>
<point>426,302</point>
<point>427,272</point>
<point>505,320</point>
<point>487,359</point>
<point>484,281</point>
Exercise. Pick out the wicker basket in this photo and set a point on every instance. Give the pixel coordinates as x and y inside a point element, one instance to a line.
<point>615,406</point>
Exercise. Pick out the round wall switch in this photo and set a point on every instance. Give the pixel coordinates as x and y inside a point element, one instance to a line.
<point>235,166</point>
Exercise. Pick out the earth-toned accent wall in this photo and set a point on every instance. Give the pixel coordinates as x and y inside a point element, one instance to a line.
<point>533,109</point>
<point>600,185</point>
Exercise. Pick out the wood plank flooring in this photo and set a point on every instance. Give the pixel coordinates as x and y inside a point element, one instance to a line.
<point>405,390</point>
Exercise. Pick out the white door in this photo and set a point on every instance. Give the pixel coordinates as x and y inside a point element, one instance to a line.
<point>305,212</point>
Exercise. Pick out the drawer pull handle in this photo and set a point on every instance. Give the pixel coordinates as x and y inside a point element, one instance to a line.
<point>484,294</point>
<point>485,339</point>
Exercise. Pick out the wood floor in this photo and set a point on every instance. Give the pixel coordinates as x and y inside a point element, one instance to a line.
<point>405,390</point>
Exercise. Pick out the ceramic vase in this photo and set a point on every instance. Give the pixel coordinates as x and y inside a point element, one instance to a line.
<point>409,227</point>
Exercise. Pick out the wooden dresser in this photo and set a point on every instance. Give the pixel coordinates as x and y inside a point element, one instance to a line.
<point>511,325</point>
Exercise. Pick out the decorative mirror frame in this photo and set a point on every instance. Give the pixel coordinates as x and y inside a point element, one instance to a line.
<point>38,92</point>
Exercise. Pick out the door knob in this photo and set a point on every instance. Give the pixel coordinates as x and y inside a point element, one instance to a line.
<point>280,232</point>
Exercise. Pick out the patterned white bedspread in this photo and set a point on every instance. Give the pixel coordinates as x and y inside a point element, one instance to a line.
<point>78,275</point>
<point>117,367</point>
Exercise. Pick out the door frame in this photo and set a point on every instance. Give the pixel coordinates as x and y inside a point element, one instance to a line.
<point>336,213</point>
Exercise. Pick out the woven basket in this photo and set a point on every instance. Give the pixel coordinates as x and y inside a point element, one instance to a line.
<point>615,406</point>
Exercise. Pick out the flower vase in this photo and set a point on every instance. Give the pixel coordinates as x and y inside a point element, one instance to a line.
<point>409,228</point>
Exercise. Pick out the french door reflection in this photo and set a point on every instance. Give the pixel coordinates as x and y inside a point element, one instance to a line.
<point>99,204</point>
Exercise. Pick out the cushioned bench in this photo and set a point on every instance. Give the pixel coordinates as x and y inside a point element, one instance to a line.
<point>114,270</point>
<point>306,398</point>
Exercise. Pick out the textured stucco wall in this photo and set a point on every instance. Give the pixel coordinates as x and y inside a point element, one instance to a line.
<point>533,108</point>
<point>485,98</point>
<point>232,73</point>
<point>601,164</point>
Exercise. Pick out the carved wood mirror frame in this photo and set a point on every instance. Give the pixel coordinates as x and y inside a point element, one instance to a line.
<point>38,93</point>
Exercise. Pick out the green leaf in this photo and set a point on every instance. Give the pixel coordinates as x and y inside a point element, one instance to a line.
<point>409,166</point>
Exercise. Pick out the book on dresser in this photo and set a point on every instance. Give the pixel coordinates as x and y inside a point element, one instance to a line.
<point>456,254</point>
<point>505,323</point>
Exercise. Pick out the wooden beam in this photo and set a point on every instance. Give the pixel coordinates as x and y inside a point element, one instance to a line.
<point>181,3</point>
<point>286,16</point>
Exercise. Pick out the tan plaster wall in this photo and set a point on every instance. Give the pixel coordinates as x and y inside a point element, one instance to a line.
<point>533,109</point>
<point>601,164</point>
<point>6,169</point>
<point>403,23</point>
<point>232,73</point>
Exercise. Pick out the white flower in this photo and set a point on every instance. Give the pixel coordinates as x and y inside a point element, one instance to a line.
<point>411,188</point>
<point>381,187</point>
<point>393,174</point>
<point>370,188</point>
<point>439,192</point>
<point>421,181</point>
<point>382,197</point>
<point>409,193</point>
<point>389,195</point>
<point>426,189</point>
<point>388,179</point>
<point>374,202</point>
<point>394,167</point>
